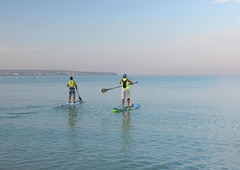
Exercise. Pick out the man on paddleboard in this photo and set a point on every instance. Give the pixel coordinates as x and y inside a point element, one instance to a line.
<point>72,85</point>
<point>125,89</point>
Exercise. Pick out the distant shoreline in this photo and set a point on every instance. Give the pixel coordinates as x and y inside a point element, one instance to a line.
<point>53,73</point>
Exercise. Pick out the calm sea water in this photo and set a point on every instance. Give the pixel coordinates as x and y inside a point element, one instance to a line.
<point>184,122</point>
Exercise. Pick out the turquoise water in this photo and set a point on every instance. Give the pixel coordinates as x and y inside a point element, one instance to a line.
<point>184,122</point>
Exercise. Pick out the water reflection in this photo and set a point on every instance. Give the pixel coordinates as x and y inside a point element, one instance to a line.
<point>72,123</point>
<point>126,119</point>
<point>72,117</point>
<point>126,135</point>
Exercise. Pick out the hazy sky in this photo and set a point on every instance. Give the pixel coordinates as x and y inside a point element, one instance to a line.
<point>138,37</point>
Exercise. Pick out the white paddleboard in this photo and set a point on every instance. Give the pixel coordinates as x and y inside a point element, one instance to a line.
<point>72,104</point>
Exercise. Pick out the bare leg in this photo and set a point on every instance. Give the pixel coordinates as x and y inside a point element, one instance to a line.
<point>122,103</point>
<point>128,101</point>
<point>69,99</point>
<point>73,99</point>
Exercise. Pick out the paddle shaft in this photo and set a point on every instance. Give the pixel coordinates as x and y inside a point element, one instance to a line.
<point>79,95</point>
<point>115,87</point>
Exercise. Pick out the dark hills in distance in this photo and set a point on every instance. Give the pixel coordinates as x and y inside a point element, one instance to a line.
<point>53,73</point>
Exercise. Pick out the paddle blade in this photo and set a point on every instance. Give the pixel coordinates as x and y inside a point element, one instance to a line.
<point>79,96</point>
<point>104,90</point>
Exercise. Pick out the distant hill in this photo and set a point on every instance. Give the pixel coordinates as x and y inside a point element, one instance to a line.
<point>53,73</point>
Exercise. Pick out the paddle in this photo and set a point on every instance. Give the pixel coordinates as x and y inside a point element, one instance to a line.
<point>79,96</point>
<point>105,90</point>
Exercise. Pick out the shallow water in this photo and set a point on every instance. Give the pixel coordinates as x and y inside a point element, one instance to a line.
<point>184,122</point>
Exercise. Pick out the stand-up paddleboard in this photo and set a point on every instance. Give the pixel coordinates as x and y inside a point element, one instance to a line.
<point>132,107</point>
<point>72,104</point>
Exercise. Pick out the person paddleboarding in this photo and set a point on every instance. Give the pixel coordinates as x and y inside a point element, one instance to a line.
<point>72,85</point>
<point>125,83</point>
